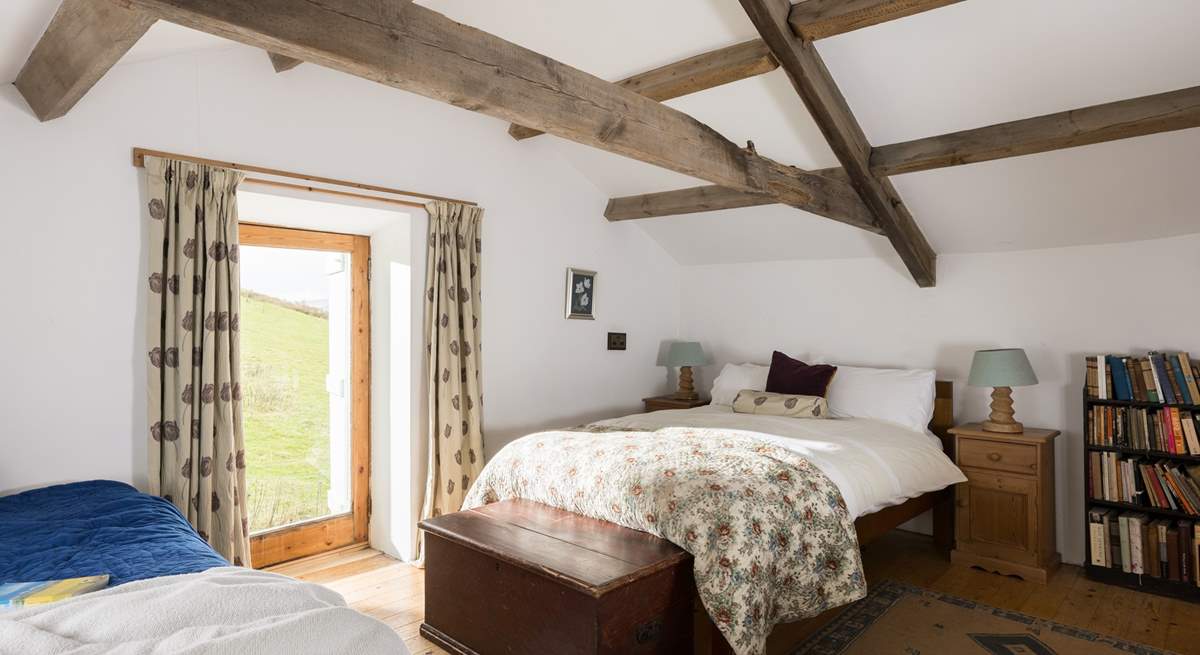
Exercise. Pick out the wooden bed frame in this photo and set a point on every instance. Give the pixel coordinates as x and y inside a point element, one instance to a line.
<point>786,637</point>
<point>706,639</point>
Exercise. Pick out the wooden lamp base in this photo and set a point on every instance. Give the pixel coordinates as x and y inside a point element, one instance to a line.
<point>1001,418</point>
<point>686,389</point>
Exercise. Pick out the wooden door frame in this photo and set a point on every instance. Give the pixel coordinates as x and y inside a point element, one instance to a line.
<point>320,535</point>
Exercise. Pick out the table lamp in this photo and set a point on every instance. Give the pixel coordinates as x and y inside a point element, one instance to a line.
<point>1001,369</point>
<point>685,355</point>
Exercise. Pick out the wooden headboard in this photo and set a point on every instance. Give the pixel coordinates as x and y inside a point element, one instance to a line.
<point>943,413</point>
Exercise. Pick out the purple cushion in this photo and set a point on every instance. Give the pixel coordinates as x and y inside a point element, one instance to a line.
<point>792,376</point>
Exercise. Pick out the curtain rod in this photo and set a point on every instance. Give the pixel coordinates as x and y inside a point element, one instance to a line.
<point>140,154</point>
<point>332,192</point>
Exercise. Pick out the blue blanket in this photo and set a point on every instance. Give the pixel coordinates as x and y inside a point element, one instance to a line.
<point>90,528</point>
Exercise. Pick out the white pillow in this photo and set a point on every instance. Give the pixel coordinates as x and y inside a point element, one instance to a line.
<point>903,396</point>
<point>734,378</point>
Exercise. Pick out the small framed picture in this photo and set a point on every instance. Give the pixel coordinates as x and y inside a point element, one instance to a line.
<point>581,294</point>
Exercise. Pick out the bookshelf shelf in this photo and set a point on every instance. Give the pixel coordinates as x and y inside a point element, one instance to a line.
<point>1148,584</point>
<point>1143,508</point>
<point>1141,403</point>
<point>1137,452</point>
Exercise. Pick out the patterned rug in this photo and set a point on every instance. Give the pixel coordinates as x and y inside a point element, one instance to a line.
<point>900,619</point>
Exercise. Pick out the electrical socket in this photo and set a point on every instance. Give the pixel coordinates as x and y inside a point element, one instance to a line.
<point>616,341</point>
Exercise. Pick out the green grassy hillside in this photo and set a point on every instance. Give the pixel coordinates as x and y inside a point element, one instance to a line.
<point>285,356</point>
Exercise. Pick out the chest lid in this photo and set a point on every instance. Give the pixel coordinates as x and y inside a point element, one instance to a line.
<point>589,555</point>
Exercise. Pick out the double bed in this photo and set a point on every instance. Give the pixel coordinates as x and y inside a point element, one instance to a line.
<point>168,590</point>
<point>773,509</point>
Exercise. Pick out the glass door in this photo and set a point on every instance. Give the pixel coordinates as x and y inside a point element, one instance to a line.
<point>305,375</point>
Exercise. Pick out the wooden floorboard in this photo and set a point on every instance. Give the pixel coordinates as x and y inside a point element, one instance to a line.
<point>393,592</point>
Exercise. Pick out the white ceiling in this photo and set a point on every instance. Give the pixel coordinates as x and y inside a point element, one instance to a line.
<point>967,65</point>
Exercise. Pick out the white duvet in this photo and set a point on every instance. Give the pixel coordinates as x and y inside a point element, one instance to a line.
<point>875,463</point>
<point>223,610</point>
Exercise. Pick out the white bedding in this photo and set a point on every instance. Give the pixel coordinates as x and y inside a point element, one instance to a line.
<point>224,610</point>
<point>876,464</point>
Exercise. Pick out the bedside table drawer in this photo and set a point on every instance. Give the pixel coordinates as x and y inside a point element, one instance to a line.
<point>998,456</point>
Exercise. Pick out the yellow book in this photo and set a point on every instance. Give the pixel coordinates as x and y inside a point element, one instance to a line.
<point>63,589</point>
<point>1189,377</point>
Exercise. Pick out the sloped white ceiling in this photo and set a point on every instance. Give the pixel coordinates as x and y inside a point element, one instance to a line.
<point>968,65</point>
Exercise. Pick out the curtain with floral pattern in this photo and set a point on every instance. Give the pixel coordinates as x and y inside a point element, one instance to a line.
<point>196,451</point>
<point>452,326</point>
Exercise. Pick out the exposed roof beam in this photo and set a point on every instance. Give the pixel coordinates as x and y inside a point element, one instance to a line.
<point>692,200</point>
<point>424,52</point>
<point>842,202</point>
<point>817,19</point>
<point>1176,110</point>
<point>283,63</point>
<point>812,81</point>
<point>704,71</point>
<point>83,41</point>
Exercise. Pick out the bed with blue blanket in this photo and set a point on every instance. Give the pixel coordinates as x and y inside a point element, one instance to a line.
<point>169,591</point>
<point>93,528</point>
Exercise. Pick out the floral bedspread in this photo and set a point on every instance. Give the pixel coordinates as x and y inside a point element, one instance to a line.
<point>769,532</point>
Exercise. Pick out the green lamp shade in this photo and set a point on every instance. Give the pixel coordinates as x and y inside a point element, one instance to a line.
<point>1005,367</point>
<point>686,353</point>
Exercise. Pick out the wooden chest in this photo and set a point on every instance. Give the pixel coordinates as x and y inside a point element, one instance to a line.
<point>521,577</point>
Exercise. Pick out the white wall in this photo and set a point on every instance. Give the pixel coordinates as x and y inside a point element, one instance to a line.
<point>73,263</point>
<point>1058,304</point>
<point>398,410</point>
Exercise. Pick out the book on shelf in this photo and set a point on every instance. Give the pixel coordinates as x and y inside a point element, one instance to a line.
<point>1180,382</point>
<point>1151,551</point>
<point>1120,378</point>
<point>1135,543</point>
<point>1145,482</point>
<point>1159,377</point>
<point>1188,420</point>
<point>1164,380</point>
<point>1160,527</point>
<point>1158,389</point>
<point>1189,376</point>
<point>1123,538</point>
<point>1103,378</point>
<point>1134,368</point>
<point>1148,383</point>
<point>1163,429</point>
<point>1098,536</point>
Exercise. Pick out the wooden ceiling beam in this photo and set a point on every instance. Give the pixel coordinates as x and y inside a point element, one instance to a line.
<point>283,63</point>
<point>681,78</point>
<point>815,86</point>
<point>85,39</point>
<point>421,51</point>
<point>1163,112</point>
<point>842,202</point>
<point>693,200</point>
<point>818,19</point>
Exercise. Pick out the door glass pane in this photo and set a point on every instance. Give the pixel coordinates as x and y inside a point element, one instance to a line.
<point>295,352</point>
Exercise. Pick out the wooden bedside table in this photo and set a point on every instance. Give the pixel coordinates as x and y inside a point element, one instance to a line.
<point>1004,512</point>
<point>671,402</point>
